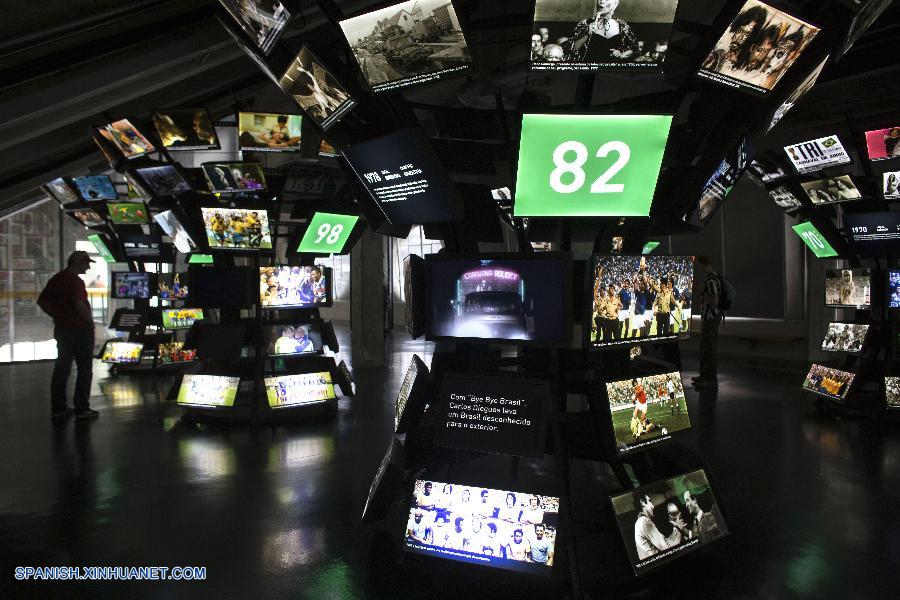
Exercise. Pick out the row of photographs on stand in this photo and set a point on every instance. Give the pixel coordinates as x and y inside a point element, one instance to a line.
<point>283,391</point>
<point>835,384</point>
<point>852,288</point>
<point>519,531</point>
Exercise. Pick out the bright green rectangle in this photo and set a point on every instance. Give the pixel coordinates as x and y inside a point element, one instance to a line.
<point>327,233</point>
<point>814,240</point>
<point>589,165</point>
<point>650,247</point>
<point>101,248</point>
<point>200,259</point>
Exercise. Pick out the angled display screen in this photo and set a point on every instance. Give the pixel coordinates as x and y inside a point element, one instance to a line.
<point>891,185</point>
<point>292,339</point>
<point>806,85</point>
<point>125,137</point>
<point>164,180</point>
<point>589,165</point>
<point>873,233</point>
<point>296,390</point>
<point>591,36</point>
<point>883,144</point>
<point>845,337</point>
<point>814,240</point>
<point>61,191</point>
<point>237,229</point>
<point>99,243</point>
<point>315,90</point>
<point>663,520</point>
<point>87,217</point>
<point>515,531</point>
<point>234,177</point>
<point>784,198</point>
<point>892,392</point>
<point>817,154</point>
<point>186,129</point>
<point>269,132</point>
<point>130,285</point>
<point>497,298</point>
<point>95,187</point>
<point>294,287</point>
<point>406,179</point>
<point>327,233</point>
<point>758,48</point>
<point>121,353</point>
<point>724,179</point>
<point>849,288</point>
<point>173,228</point>
<point>170,353</point>
<point>172,286</point>
<point>831,383</point>
<point>831,190</point>
<point>127,213</point>
<point>640,298</point>
<point>181,318</point>
<point>647,410</point>
<point>210,391</point>
<point>407,43</point>
<point>262,20</point>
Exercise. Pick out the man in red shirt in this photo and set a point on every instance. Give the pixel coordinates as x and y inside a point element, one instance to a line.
<point>65,300</point>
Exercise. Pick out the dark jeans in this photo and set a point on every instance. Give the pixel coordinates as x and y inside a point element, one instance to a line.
<point>76,343</point>
<point>709,343</point>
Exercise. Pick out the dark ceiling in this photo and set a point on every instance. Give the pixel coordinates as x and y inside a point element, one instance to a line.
<point>66,70</point>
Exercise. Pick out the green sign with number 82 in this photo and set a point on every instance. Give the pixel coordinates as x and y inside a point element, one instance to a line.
<point>589,165</point>
<point>327,233</point>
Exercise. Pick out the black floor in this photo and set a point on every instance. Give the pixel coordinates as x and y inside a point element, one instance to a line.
<point>813,501</point>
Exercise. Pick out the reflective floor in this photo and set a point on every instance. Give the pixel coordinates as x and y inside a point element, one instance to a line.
<point>813,501</point>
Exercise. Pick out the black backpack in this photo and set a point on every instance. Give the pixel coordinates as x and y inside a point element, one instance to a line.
<point>727,294</point>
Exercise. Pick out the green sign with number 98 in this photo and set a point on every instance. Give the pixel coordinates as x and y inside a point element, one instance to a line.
<point>589,165</point>
<point>327,233</point>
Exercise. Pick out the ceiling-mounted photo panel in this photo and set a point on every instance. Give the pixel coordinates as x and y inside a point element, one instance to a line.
<point>806,85</point>
<point>315,90</point>
<point>186,129</point>
<point>263,20</point>
<point>590,35</point>
<point>758,48</point>
<point>408,43</point>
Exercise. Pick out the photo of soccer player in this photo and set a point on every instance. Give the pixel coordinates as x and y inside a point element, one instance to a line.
<point>296,390</point>
<point>121,353</point>
<point>268,132</point>
<point>174,352</point>
<point>647,410</point>
<point>186,129</point>
<point>234,177</point>
<point>891,185</point>
<point>832,383</point>
<point>845,337</point>
<point>892,392</point>
<point>848,287</point>
<point>262,20</point>
<point>126,139</point>
<point>758,48</point>
<point>663,520</point>
<point>237,229</point>
<point>286,340</point>
<point>640,298</point>
<point>315,90</point>
<point>831,190</point>
<point>172,286</point>
<point>497,528</point>
<point>601,34</point>
<point>407,43</point>
<point>284,286</point>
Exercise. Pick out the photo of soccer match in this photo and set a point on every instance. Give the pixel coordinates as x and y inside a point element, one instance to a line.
<point>848,287</point>
<point>127,213</point>
<point>662,520</point>
<point>832,383</point>
<point>845,337</point>
<point>269,132</point>
<point>295,390</point>
<point>237,229</point>
<point>208,390</point>
<point>131,285</point>
<point>647,410</point>
<point>507,530</point>
<point>172,286</point>
<point>121,353</point>
<point>892,392</point>
<point>640,298</point>
<point>174,352</point>
<point>285,286</point>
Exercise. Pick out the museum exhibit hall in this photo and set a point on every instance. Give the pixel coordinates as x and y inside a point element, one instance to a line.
<point>450,299</point>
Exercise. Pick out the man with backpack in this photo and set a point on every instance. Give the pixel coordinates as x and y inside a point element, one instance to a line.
<point>716,298</point>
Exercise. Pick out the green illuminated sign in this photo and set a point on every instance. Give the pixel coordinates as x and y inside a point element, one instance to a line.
<point>327,233</point>
<point>589,165</point>
<point>814,240</point>
<point>650,247</point>
<point>101,248</point>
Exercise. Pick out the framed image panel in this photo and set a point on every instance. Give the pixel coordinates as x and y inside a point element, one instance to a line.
<point>183,129</point>
<point>831,190</point>
<point>645,411</point>
<point>831,383</point>
<point>315,90</point>
<point>850,288</point>
<point>845,337</point>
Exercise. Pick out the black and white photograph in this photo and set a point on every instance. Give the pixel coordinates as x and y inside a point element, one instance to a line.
<point>831,190</point>
<point>601,34</point>
<point>315,89</point>
<point>662,520</point>
<point>844,337</point>
<point>758,48</point>
<point>848,287</point>
<point>784,198</point>
<point>262,20</point>
<point>891,185</point>
<point>186,129</point>
<point>408,43</point>
<point>892,392</point>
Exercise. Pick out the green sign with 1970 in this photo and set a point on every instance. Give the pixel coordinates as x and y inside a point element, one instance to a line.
<point>589,165</point>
